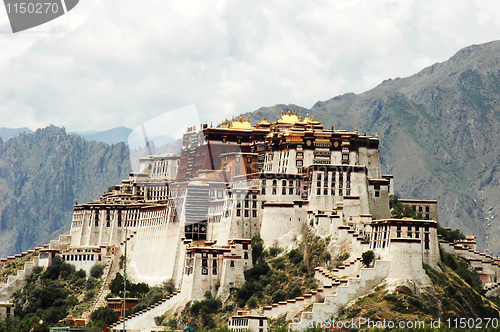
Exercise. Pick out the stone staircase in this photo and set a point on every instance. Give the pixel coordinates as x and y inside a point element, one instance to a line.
<point>16,282</point>
<point>368,279</point>
<point>329,282</point>
<point>493,290</point>
<point>144,319</point>
<point>109,273</point>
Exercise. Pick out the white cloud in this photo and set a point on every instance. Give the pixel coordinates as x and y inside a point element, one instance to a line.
<point>112,63</point>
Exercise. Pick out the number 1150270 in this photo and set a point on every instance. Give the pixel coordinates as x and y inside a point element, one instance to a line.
<point>32,8</point>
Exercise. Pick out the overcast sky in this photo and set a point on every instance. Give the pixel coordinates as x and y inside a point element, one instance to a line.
<point>110,63</point>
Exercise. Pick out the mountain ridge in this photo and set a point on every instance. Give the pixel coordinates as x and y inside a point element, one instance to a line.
<point>41,176</point>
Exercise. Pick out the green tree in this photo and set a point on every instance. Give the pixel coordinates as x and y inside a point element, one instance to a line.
<point>102,317</point>
<point>400,210</point>
<point>257,248</point>
<point>368,257</point>
<point>96,271</point>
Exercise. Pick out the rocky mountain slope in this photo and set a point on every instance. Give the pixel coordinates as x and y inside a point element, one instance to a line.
<point>42,175</point>
<point>440,135</point>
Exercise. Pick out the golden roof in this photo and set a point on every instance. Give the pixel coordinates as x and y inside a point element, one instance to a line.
<point>288,118</point>
<point>237,124</point>
<point>264,122</point>
<point>308,120</point>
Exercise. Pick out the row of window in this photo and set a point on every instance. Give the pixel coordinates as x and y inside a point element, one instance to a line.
<point>341,184</point>
<point>85,257</point>
<point>246,213</point>
<point>332,192</point>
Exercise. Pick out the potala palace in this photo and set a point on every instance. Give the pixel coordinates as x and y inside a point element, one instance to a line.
<point>191,217</point>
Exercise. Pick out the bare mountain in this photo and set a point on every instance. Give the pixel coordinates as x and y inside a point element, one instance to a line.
<point>41,176</point>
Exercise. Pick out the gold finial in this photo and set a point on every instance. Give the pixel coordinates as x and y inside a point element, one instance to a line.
<point>265,117</point>
<point>282,113</point>
<point>210,124</point>
<point>300,118</point>
<point>232,119</point>
<point>356,131</point>
<point>376,134</point>
<point>296,113</point>
<point>312,117</point>
<point>241,118</point>
<point>289,112</point>
<point>248,119</point>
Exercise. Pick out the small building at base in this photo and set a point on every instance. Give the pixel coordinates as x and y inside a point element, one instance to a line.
<point>245,321</point>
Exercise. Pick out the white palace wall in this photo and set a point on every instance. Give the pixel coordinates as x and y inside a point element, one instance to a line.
<point>155,253</point>
<point>281,223</point>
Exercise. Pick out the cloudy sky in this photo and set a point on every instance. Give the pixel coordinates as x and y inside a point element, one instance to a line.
<point>110,63</point>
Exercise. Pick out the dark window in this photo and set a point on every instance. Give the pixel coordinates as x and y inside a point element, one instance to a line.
<point>246,213</point>
<point>238,213</point>
<point>283,191</point>
<point>204,271</point>
<point>325,192</point>
<point>274,190</point>
<point>254,213</point>
<point>214,255</point>
<point>204,254</point>
<point>214,263</point>
<point>426,209</point>
<point>232,264</point>
<point>204,262</point>
<point>427,245</point>
<point>318,192</point>
<point>333,192</point>
<point>263,191</point>
<point>214,272</point>
<point>348,192</point>
<point>341,193</point>
<point>318,177</point>
<point>283,183</point>
<point>377,193</point>
<point>261,322</point>
<point>108,224</point>
<point>245,246</point>
<point>275,182</point>
<point>318,184</point>
<point>245,256</point>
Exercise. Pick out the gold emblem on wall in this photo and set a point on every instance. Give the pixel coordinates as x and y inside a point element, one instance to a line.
<point>336,144</point>
<point>308,143</point>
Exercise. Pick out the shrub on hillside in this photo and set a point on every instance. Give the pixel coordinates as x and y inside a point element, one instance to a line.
<point>96,271</point>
